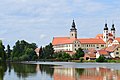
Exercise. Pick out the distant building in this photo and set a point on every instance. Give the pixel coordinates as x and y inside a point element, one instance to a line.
<point>72,43</point>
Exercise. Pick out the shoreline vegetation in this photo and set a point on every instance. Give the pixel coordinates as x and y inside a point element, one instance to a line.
<point>24,51</point>
<point>53,60</point>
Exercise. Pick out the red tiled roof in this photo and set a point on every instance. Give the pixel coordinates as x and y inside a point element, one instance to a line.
<point>99,36</point>
<point>112,48</point>
<point>68,40</point>
<point>118,39</point>
<point>62,40</point>
<point>103,52</point>
<point>91,41</point>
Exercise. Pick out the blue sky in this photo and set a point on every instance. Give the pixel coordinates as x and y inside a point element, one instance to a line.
<point>40,20</point>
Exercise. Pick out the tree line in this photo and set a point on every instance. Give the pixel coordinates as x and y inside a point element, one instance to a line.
<point>24,51</point>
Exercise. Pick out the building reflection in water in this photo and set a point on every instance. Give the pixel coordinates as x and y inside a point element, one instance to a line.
<point>86,74</point>
<point>51,72</point>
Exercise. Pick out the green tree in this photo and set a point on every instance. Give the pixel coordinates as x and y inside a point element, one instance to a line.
<point>24,50</point>
<point>79,53</point>
<point>8,52</point>
<point>2,52</point>
<point>62,56</point>
<point>47,51</point>
<point>40,53</point>
<point>101,59</point>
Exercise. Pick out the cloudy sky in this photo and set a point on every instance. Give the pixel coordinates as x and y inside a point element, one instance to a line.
<point>40,20</point>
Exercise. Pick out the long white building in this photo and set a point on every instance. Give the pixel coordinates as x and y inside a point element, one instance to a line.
<point>72,43</point>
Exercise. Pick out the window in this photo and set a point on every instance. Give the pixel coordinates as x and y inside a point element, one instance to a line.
<point>97,47</point>
<point>78,45</point>
<point>117,49</point>
<point>75,49</point>
<point>102,45</point>
<point>75,45</point>
<point>117,52</point>
<point>72,34</point>
<point>87,45</point>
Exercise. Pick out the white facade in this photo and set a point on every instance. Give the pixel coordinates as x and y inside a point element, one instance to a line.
<point>63,47</point>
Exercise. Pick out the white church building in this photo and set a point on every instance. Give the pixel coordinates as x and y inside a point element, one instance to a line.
<point>72,42</point>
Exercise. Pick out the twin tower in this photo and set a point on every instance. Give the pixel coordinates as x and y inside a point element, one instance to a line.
<point>107,35</point>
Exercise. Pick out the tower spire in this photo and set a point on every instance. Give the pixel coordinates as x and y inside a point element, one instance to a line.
<point>113,27</point>
<point>105,28</point>
<point>73,26</point>
<point>73,30</point>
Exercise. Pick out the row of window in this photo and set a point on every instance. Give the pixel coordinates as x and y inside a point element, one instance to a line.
<point>77,45</point>
<point>91,45</point>
<point>64,50</point>
<point>58,46</point>
<point>88,45</point>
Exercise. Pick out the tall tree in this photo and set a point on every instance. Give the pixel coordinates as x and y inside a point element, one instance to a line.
<point>48,51</point>
<point>8,51</point>
<point>79,53</point>
<point>2,51</point>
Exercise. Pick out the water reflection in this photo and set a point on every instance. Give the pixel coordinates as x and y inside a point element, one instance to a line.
<point>3,69</point>
<point>86,74</point>
<point>15,71</point>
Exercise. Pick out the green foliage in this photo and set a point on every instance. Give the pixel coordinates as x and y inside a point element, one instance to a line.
<point>79,53</point>
<point>8,52</point>
<point>47,52</point>
<point>3,69</point>
<point>81,59</point>
<point>23,50</point>
<point>62,56</point>
<point>101,59</point>
<point>2,51</point>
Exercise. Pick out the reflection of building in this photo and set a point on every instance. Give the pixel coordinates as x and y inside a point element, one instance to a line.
<point>86,74</point>
<point>64,74</point>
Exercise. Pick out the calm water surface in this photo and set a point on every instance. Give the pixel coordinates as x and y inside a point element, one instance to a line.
<point>59,71</point>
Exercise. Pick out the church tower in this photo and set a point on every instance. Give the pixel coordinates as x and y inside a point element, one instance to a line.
<point>105,33</point>
<point>113,31</point>
<point>73,31</point>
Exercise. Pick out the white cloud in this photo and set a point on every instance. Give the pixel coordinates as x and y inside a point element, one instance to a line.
<point>27,19</point>
<point>43,36</point>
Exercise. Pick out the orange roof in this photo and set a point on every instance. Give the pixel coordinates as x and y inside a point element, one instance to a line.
<point>112,48</point>
<point>99,36</point>
<point>118,39</point>
<point>62,40</point>
<point>91,41</point>
<point>103,52</point>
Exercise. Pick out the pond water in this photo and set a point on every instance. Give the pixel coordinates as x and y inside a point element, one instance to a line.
<point>59,71</point>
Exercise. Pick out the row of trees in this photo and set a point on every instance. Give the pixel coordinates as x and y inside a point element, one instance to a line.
<point>22,50</point>
<point>25,51</point>
<point>48,53</point>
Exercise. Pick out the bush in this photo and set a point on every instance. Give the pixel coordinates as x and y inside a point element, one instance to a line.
<point>15,59</point>
<point>101,59</point>
<point>81,59</point>
<point>62,56</point>
<point>24,57</point>
<point>111,61</point>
